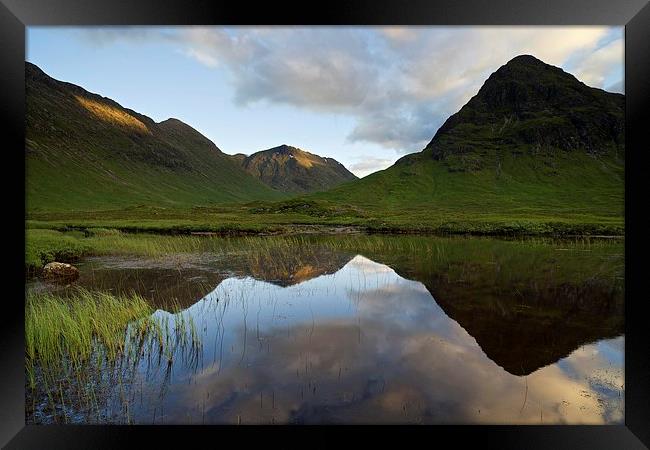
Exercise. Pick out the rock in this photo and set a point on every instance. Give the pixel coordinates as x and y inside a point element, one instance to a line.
<point>60,271</point>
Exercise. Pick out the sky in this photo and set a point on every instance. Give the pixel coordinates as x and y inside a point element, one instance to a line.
<point>365,96</point>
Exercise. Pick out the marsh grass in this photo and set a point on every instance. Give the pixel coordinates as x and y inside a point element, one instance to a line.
<point>82,350</point>
<point>44,246</point>
<point>283,254</point>
<point>56,328</point>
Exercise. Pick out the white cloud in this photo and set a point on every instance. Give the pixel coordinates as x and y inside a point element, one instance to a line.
<point>597,66</point>
<point>369,164</point>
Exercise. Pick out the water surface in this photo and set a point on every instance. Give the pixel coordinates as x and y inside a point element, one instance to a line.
<point>439,332</point>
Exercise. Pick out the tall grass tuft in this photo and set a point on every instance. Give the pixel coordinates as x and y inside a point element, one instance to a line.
<point>58,330</point>
<point>83,350</point>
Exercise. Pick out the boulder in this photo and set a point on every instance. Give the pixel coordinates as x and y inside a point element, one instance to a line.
<point>60,271</point>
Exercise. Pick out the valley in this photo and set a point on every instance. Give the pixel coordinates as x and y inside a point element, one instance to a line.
<point>535,151</point>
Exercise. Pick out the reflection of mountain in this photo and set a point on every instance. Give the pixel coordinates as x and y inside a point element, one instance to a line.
<point>162,286</point>
<point>168,283</point>
<point>521,325</point>
<point>365,345</point>
<point>522,321</point>
<point>528,325</point>
<point>523,331</point>
<point>297,266</point>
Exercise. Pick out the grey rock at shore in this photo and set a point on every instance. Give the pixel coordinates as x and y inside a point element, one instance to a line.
<point>60,271</point>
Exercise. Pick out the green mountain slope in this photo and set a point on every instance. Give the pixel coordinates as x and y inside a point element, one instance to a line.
<point>534,143</point>
<point>291,169</point>
<point>87,152</point>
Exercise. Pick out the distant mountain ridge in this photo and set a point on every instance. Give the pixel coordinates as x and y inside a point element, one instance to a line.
<point>290,169</point>
<point>85,151</point>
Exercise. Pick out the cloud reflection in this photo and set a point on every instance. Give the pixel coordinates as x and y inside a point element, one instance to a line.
<point>365,345</point>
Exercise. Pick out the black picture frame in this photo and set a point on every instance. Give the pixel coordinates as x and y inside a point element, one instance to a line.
<point>15,15</point>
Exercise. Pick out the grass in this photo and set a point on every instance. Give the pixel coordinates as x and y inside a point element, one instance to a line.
<point>510,192</point>
<point>59,328</point>
<point>83,348</point>
<point>583,196</point>
<point>68,344</point>
<point>44,246</point>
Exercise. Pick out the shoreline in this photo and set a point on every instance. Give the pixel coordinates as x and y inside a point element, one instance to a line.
<point>478,230</point>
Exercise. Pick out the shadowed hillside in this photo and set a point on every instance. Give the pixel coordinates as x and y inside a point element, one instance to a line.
<point>84,151</point>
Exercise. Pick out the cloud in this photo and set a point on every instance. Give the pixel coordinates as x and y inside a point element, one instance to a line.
<point>597,66</point>
<point>313,68</point>
<point>105,36</point>
<point>415,128</point>
<point>369,164</point>
<point>619,86</point>
<point>399,84</point>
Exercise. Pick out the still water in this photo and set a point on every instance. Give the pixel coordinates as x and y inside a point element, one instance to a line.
<point>345,337</point>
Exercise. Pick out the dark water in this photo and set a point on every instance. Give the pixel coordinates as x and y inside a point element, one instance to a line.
<point>338,336</point>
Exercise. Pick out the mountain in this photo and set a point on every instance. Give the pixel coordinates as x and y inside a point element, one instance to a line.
<point>528,105</point>
<point>87,152</point>
<point>290,169</point>
<point>533,142</point>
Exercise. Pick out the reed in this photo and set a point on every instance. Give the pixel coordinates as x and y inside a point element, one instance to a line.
<point>68,329</point>
<point>84,348</point>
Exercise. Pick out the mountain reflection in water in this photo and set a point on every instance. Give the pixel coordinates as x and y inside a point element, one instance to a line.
<point>358,343</point>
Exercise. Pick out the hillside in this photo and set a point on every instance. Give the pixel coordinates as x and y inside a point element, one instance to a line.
<point>534,143</point>
<point>290,169</point>
<point>87,152</point>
